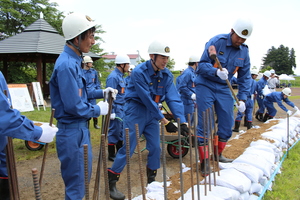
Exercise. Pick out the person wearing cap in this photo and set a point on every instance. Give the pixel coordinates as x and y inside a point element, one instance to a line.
<point>116,80</point>
<point>186,87</point>
<point>92,81</point>
<point>261,84</point>
<point>69,98</point>
<point>15,125</point>
<point>211,87</point>
<point>273,81</point>
<point>278,97</point>
<point>249,105</point>
<point>150,84</point>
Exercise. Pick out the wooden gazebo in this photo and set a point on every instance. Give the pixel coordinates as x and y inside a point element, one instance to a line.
<point>39,43</point>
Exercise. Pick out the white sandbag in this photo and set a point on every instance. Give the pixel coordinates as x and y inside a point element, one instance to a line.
<point>253,197</point>
<point>263,148</point>
<point>233,179</point>
<point>252,172</point>
<point>210,194</point>
<point>270,157</point>
<point>277,141</point>
<point>256,161</point>
<point>265,143</point>
<point>256,188</point>
<point>244,196</point>
<point>266,90</point>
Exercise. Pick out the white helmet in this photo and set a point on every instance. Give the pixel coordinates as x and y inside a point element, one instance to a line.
<point>157,47</point>
<point>74,24</point>
<point>243,27</point>
<point>267,74</point>
<point>87,59</point>
<point>194,58</point>
<point>272,71</point>
<point>287,91</point>
<point>255,72</point>
<point>122,59</point>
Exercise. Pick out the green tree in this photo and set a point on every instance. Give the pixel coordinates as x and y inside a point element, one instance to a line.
<point>282,60</point>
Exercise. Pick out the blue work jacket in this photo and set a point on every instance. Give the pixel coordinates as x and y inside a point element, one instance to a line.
<point>186,84</point>
<point>278,98</point>
<point>116,80</point>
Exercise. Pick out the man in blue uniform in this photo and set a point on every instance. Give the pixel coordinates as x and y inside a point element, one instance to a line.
<point>260,95</point>
<point>14,125</point>
<point>92,81</point>
<point>186,87</point>
<point>278,97</point>
<point>151,83</point>
<point>249,105</point>
<point>211,87</point>
<point>116,80</point>
<point>69,97</point>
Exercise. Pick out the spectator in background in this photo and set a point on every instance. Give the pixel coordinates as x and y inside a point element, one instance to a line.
<point>278,97</point>
<point>116,80</point>
<point>272,81</point>
<point>260,96</point>
<point>92,81</point>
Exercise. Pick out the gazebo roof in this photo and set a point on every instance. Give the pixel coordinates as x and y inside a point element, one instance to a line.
<point>38,38</point>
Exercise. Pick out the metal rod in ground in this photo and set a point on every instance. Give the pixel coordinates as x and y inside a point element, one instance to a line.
<point>191,155</point>
<point>86,172</point>
<point>196,155</point>
<point>205,151</point>
<point>105,173</point>
<point>140,160</point>
<point>180,159</point>
<point>45,151</point>
<point>162,130</point>
<point>104,130</point>
<point>288,135</point>
<point>36,185</point>
<point>212,143</point>
<point>128,162</point>
<point>216,138</point>
<point>209,144</point>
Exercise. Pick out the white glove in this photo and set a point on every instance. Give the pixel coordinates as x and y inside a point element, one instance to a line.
<point>222,74</point>
<point>193,96</point>
<point>241,107</point>
<point>48,133</point>
<point>112,116</point>
<point>296,108</point>
<point>289,112</point>
<point>103,107</point>
<point>113,91</point>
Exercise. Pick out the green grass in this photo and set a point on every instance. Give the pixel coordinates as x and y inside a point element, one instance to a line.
<point>287,184</point>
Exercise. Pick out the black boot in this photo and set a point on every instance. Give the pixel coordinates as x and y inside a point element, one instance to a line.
<point>114,192</point>
<point>204,160</point>
<point>111,152</point>
<point>266,117</point>
<point>4,189</point>
<point>151,174</point>
<point>259,116</point>
<point>96,123</point>
<point>245,121</point>
<point>249,125</point>
<point>221,147</point>
<point>119,145</point>
<point>236,126</point>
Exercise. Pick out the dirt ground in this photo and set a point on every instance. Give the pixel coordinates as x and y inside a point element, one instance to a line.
<point>53,187</point>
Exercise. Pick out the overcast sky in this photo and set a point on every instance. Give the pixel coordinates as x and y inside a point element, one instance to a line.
<point>131,25</point>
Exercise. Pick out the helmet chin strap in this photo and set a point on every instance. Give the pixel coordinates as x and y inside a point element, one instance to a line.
<point>76,47</point>
<point>153,62</point>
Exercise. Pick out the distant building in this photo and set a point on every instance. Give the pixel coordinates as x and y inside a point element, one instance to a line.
<point>134,58</point>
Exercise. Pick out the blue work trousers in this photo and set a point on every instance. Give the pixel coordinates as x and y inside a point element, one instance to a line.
<point>116,129</point>
<point>137,113</point>
<point>248,112</point>
<point>70,139</point>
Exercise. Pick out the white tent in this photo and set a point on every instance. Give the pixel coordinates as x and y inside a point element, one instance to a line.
<point>286,77</point>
